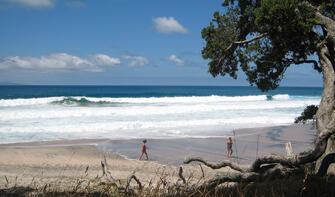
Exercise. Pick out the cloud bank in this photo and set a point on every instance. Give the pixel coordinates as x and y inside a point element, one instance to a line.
<point>135,60</point>
<point>60,62</point>
<point>175,59</point>
<point>33,3</point>
<point>168,25</point>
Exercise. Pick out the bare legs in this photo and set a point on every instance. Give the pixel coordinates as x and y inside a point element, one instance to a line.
<point>144,152</point>
<point>229,153</point>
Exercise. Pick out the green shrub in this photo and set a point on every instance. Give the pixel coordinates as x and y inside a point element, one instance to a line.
<point>307,114</point>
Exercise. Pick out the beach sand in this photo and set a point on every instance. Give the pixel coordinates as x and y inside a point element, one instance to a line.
<point>270,140</point>
<point>39,163</point>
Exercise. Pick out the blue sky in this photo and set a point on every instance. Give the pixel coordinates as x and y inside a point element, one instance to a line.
<point>113,42</point>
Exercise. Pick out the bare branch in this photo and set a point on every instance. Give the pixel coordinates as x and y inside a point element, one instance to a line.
<point>202,170</point>
<point>214,165</point>
<point>276,171</point>
<point>238,177</point>
<point>304,61</point>
<point>105,170</point>
<point>288,161</point>
<point>132,176</point>
<point>314,62</point>
<point>252,39</point>
<point>180,173</point>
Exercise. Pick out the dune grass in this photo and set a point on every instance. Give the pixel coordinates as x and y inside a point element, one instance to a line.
<point>300,185</point>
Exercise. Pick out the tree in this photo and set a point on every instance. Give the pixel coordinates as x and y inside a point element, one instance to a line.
<point>265,37</point>
<point>308,114</point>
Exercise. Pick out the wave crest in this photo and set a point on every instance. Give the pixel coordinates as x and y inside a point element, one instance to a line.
<point>110,101</point>
<point>278,97</point>
<point>71,101</point>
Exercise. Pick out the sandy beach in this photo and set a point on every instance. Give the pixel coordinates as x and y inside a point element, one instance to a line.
<point>38,163</point>
<point>270,140</point>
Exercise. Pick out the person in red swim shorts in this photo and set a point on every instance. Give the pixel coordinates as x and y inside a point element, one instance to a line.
<point>144,150</point>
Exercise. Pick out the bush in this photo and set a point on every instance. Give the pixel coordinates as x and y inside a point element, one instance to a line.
<point>307,114</point>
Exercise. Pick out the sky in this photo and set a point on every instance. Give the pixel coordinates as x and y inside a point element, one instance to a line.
<point>113,42</point>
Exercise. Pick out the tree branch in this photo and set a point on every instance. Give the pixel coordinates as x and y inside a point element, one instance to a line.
<point>236,43</point>
<point>303,61</point>
<point>326,161</point>
<point>132,176</point>
<point>106,172</point>
<point>214,165</point>
<point>108,175</point>
<point>276,171</point>
<point>314,62</point>
<point>252,39</point>
<point>180,173</point>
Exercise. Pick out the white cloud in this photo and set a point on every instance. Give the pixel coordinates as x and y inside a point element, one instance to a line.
<point>136,60</point>
<point>59,62</point>
<point>101,59</point>
<point>175,59</point>
<point>33,3</point>
<point>168,25</point>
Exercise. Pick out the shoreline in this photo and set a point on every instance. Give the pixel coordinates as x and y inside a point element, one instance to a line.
<point>268,139</point>
<point>66,160</point>
<point>271,140</point>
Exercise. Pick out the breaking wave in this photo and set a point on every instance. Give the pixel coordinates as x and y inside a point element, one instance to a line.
<point>109,101</point>
<point>73,117</point>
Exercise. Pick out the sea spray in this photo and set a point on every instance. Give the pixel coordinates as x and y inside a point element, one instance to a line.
<point>212,114</point>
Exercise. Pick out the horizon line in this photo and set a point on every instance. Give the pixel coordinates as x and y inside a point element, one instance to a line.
<point>176,85</point>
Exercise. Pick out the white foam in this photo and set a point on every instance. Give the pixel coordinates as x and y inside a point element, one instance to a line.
<point>281,97</point>
<point>30,101</point>
<point>38,119</point>
<point>48,112</point>
<point>151,100</point>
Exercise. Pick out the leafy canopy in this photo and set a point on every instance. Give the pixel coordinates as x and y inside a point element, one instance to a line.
<point>308,114</point>
<point>263,38</point>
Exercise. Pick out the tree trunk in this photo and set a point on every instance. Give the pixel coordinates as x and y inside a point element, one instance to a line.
<point>326,113</point>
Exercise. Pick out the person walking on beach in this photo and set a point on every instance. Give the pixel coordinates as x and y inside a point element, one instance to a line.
<point>144,150</point>
<point>229,147</point>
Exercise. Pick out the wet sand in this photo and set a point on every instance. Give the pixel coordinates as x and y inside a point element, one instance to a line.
<point>270,140</point>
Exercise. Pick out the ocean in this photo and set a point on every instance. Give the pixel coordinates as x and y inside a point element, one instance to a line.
<point>42,113</point>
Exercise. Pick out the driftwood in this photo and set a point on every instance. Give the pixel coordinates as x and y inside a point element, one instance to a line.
<point>107,174</point>
<point>277,171</point>
<point>132,176</point>
<point>180,173</point>
<point>213,165</point>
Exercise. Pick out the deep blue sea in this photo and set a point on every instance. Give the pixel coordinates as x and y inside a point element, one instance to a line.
<point>31,113</point>
<point>13,92</point>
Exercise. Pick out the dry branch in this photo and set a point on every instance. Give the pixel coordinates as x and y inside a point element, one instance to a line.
<point>106,172</point>
<point>277,171</point>
<point>202,171</point>
<point>222,164</point>
<point>132,176</point>
<point>180,173</point>
<point>108,175</point>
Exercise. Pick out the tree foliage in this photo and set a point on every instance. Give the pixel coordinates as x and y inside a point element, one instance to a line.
<point>308,114</point>
<point>265,37</point>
